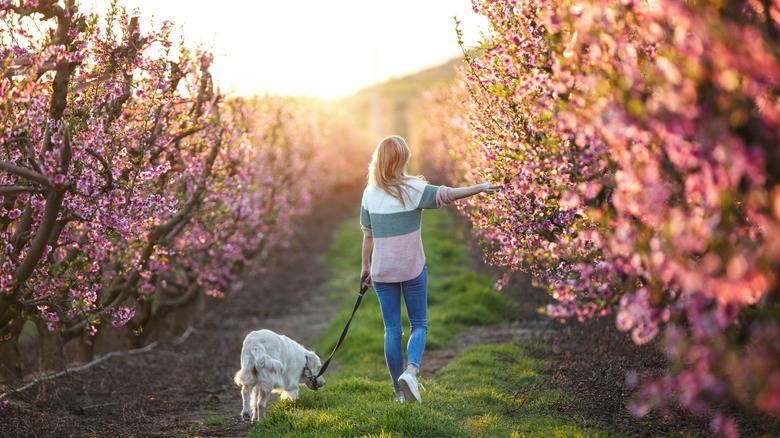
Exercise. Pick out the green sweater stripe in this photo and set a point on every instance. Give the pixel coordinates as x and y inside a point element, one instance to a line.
<point>395,224</point>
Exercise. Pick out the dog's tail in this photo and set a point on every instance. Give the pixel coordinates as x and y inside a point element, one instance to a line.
<point>244,378</point>
<point>247,375</point>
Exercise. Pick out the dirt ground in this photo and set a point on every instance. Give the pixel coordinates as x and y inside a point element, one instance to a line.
<point>183,387</point>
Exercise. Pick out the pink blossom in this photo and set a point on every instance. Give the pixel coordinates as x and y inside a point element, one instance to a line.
<point>597,107</point>
<point>122,315</point>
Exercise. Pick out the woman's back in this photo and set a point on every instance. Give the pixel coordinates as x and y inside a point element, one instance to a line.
<point>395,227</point>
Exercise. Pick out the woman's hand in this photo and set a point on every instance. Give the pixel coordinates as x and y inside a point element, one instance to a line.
<point>366,274</point>
<point>465,192</point>
<point>487,187</point>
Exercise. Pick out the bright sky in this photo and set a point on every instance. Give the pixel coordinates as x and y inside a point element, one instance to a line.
<point>323,48</point>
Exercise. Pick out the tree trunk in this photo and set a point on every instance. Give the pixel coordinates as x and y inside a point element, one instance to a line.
<point>86,346</point>
<point>145,326</point>
<point>185,315</point>
<point>10,358</point>
<point>52,351</point>
<point>154,330</point>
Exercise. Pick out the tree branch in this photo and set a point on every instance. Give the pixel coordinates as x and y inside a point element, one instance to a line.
<point>87,366</point>
<point>42,235</point>
<point>25,173</point>
<point>130,50</point>
<point>16,190</point>
<point>106,167</point>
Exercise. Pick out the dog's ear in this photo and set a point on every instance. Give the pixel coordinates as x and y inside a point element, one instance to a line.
<point>313,361</point>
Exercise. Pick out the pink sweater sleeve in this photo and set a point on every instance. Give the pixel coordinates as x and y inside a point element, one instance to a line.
<point>444,196</point>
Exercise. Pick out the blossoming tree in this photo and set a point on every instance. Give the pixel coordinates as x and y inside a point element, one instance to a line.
<point>130,186</point>
<point>638,144</point>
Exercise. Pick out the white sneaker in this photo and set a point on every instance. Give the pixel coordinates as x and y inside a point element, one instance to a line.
<point>410,387</point>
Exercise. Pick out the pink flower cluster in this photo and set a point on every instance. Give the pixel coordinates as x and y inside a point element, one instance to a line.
<point>127,178</point>
<point>637,147</point>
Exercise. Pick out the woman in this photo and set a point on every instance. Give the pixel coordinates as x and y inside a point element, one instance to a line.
<point>393,257</point>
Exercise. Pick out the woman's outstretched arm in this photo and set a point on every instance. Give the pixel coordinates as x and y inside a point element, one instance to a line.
<point>465,192</point>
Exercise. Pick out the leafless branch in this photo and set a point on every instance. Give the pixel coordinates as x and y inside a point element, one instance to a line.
<point>77,369</point>
<point>190,330</point>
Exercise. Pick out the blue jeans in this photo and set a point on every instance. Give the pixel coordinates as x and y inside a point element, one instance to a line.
<point>415,293</point>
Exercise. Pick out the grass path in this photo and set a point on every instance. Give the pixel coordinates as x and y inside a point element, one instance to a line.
<point>492,390</point>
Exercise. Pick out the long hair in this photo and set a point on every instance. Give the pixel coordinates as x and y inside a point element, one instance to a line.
<point>387,170</point>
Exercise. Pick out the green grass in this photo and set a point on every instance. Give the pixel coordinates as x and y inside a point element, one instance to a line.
<point>212,420</point>
<point>487,391</point>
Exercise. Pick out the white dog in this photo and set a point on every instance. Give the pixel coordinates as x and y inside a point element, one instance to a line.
<point>273,363</point>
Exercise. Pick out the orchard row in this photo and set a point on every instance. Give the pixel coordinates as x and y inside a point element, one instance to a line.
<point>638,145</point>
<point>131,188</point>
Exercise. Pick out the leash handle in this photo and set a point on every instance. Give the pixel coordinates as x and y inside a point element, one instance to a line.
<point>363,290</point>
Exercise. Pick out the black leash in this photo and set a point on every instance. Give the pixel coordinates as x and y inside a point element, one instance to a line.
<point>363,290</point>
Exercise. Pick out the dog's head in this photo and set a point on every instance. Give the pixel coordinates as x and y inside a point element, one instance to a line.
<point>311,369</point>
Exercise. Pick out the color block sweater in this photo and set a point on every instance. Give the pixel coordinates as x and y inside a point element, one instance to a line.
<point>398,251</point>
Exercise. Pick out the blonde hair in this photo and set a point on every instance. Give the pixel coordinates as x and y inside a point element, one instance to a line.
<point>387,170</point>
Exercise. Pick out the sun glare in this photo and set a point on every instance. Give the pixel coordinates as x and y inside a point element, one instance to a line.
<point>314,48</point>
